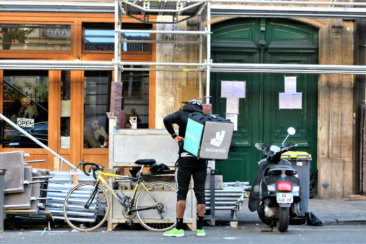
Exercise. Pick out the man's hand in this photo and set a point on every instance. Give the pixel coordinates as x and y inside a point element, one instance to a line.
<point>178,139</point>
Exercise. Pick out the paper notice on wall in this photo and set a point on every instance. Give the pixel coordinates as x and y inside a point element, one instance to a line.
<point>233,118</point>
<point>233,89</point>
<point>290,84</point>
<point>290,100</point>
<point>232,105</point>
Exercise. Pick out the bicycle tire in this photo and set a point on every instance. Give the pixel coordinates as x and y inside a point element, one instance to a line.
<point>86,219</point>
<point>151,219</point>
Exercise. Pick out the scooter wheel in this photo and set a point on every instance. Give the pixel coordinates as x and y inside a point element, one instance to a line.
<point>283,221</point>
<point>261,215</point>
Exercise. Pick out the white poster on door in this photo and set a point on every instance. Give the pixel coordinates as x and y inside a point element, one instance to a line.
<point>232,105</point>
<point>290,84</point>
<point>290,100</point>
<point>233,118</point>
<point>233,89</point>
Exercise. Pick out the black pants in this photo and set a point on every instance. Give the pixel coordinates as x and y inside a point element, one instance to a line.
<point>197,168</point>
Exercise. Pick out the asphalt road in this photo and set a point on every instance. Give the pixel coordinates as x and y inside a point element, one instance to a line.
<point>248,233</point>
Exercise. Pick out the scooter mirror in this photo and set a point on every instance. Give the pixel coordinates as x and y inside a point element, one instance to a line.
<point>258,146</point>
<point>291,131</point>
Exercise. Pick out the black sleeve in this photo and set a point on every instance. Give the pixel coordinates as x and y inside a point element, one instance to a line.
<point>169,120</point>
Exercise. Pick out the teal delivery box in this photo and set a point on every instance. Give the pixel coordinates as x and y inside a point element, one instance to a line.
<point>208,136</point>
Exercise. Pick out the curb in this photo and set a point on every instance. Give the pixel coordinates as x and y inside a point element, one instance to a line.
<point>345,222</point>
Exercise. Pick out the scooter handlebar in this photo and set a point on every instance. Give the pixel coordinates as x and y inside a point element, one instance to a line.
<point>288,148</point>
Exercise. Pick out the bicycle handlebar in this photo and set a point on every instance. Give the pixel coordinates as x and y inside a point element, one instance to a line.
<point>93,167</point>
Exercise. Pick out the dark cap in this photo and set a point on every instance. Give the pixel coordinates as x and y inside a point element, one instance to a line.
<point>195,102</point>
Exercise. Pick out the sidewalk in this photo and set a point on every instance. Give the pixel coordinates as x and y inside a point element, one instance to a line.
<point>340,211</point>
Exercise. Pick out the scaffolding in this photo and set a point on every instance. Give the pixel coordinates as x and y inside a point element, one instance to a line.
<point>183,10</point>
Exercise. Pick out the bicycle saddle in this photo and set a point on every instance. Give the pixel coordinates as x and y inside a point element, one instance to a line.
<point>146,162</point>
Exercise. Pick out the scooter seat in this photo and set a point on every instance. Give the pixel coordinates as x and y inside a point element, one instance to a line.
<point>278,169</point>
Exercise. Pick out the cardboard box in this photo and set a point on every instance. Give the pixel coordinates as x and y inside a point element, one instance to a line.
<point>219,182</point>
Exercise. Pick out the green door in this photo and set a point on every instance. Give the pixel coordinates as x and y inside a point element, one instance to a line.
<point>260,118</point>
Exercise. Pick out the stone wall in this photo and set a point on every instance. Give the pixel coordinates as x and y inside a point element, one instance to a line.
<point>335,112</point>
<point>174,88</point>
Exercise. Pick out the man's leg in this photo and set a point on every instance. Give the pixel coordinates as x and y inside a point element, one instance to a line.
<point>183,177</point>
<point>201,209</point>
<point>199,178</point>
<point>181,206</point>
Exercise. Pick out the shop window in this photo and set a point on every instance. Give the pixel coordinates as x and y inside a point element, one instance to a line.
<point>135,103</point>
<point>26,104</point>
<point>135,96</point>
<point>35,37</point>
<point>96,104</point>
<point>100,37</point>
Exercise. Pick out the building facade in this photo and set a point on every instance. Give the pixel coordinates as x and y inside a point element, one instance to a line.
<point>68,106</point>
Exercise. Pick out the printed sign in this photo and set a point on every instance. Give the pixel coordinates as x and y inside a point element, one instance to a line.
<point>290,84</point>
<point>232,105</point>
<point>290,100</point>
<point>233,89</point>
<point>233,118</point>
<point>23,122</point>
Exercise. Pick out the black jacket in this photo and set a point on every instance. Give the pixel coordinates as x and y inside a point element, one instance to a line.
<point>180,118</point>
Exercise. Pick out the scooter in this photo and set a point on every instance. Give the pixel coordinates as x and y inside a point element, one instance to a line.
<point>276,192</point>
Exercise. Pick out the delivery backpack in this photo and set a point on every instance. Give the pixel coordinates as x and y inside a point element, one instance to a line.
<point>208,136</point>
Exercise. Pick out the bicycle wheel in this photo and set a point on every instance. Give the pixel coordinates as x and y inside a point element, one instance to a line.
<point>80,217</point>
<point>162,216</point>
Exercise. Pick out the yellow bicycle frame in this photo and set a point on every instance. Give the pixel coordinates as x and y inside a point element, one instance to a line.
<point>100,179</point>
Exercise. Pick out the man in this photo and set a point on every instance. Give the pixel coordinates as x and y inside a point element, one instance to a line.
<point>95,135</point>
<point>188,165</point>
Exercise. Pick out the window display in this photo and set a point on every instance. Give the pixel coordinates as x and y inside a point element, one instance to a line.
<point>26,104</point>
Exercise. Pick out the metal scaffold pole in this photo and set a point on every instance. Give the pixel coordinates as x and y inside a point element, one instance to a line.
<point>200,53</point>
<point>349,4</point>
<point>117,26</point>
<point>228,8</point>
<point>208,50</point>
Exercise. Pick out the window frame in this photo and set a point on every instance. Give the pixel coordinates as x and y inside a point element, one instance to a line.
<point>135,26</point>
<point>39,54</point>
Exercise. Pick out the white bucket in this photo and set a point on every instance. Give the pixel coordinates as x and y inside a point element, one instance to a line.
<point>234,224</point>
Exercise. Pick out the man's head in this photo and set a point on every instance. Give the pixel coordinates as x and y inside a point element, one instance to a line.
<point>196,103</point>
<point>95,124</point>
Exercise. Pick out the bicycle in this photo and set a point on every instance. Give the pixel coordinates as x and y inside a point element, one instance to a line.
<point>87,205</point>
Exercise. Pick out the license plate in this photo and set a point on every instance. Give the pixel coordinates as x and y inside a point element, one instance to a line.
<point>285,197</point>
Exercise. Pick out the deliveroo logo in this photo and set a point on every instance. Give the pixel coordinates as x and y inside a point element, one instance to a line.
<point>192,137</point>
<point>217,141</point>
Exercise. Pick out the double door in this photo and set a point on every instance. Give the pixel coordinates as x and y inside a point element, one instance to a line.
<point>271,102</point>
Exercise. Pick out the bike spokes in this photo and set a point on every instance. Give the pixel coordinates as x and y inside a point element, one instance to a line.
<point>159,210</point>
<point>83,218</point>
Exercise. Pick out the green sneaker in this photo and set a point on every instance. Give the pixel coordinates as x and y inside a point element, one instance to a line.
<point>174,232</point>
<point>200,232</point>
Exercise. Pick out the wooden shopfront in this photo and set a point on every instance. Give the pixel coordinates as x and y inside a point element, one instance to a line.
<point>66,109</point>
